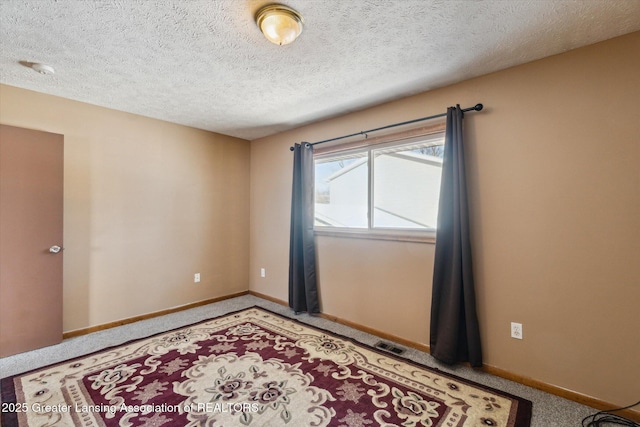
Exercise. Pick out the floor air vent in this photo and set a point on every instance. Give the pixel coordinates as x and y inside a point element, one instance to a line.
<point>389,347</point>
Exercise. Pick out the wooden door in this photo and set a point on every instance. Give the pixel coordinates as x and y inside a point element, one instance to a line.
<point>31,179</point>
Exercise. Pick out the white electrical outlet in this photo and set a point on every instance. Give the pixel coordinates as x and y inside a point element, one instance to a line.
<point>516,330</point>
<point>196,278</point>
<point>263,272</point>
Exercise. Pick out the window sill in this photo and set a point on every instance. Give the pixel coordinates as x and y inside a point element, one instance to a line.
<point>398,236</point>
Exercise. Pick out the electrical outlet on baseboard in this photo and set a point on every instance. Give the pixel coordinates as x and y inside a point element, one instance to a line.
<point>516,330</point>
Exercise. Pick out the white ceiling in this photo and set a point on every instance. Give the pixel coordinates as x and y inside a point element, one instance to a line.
<point>204,63</point>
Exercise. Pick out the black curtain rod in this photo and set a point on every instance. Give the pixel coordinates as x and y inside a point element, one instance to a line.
<point>476,107</point>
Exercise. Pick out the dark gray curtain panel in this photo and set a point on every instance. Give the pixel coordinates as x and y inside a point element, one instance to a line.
<point>455,335</point>
<point>303,291</point>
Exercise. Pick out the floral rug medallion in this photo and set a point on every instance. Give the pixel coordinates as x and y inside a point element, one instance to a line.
<point>251,368</point>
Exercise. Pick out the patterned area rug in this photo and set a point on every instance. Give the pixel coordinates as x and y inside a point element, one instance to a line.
<point>251,368</point>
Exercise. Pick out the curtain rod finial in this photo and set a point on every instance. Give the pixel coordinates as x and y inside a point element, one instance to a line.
<point>478,107</point>
<point>291,148</point>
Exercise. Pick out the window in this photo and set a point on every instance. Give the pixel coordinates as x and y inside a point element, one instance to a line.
<point>389,188</point>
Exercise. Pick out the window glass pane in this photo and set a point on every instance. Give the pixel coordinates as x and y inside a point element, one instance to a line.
<point>406,185</point>
<point>341,191</point>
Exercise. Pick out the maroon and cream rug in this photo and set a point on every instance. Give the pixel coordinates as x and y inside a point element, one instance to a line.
<point>251,368</point>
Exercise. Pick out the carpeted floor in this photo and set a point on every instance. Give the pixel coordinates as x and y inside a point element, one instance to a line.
<point>548,410</point>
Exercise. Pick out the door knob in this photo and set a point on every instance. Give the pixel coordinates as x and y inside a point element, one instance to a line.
<point>55,249</point>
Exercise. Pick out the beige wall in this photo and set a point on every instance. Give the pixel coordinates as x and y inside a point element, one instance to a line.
<point>147,204</point>
<point>554,170</point>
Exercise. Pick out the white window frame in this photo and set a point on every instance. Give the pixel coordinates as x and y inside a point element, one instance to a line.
<point>369,146</point>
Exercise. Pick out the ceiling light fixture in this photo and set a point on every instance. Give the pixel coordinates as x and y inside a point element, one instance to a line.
<point>43,68</point>
<point>279,24</point>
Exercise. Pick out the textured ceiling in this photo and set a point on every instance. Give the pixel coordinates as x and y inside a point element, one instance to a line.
<point>204,63</point>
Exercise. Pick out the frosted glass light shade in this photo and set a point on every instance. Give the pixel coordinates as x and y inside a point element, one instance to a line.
<point>279,24</point>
